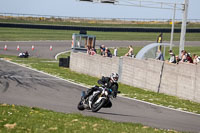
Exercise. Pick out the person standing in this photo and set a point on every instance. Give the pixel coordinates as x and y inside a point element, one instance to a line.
<point>160,55</point>
<point>160,38</point>
<point>115,52</point>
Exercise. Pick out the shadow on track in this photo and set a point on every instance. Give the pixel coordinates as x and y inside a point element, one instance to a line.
<point>117,114</point>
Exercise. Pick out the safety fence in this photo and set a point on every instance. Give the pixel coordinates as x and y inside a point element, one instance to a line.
<point>88,19</point>
<point>182,80</point>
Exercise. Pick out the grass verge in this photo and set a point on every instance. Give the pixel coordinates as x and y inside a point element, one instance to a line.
<point>24,119</point>
<point>137,93</point>
<point>25,34</point>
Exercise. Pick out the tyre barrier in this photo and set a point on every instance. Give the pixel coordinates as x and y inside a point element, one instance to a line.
<point>64,62</point>
<point>102,29</point>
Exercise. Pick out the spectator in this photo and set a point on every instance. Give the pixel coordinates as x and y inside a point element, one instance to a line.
<point>172,57</point>
<point>88,49</point>
<point>189,58</point>
<point>92,51</point>
<point>102,50</point>
<point>115,52</point>
<point>26,55</point>
<point>160,55</point>
<point>108,53</point>
<point>195,59</point>
<point>177,59</point>
<point>183,56</point>
<point>130,52</point>
<point>160,38</point>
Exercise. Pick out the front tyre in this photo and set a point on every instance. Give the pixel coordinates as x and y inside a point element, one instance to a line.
<point>96,107</point>
<point>80,106</point>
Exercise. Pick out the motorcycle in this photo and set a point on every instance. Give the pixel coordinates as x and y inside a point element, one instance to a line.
<point>100,98</point>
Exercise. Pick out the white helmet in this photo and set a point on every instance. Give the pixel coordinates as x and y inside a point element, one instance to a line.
<point>114,77</point>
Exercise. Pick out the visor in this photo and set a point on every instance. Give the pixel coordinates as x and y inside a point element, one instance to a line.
<point>115,78</point>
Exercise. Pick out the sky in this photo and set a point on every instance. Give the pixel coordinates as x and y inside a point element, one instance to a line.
<point>74,8</point>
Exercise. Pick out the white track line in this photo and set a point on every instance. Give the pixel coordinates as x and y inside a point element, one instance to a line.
<point>85,86</point>
<point>56,57</point>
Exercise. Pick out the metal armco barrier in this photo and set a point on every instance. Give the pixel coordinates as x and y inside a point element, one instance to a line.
<point>103,29</point>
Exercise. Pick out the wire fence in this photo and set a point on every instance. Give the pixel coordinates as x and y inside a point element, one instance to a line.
<point>36,17</point>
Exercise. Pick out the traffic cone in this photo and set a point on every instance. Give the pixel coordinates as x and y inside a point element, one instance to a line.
<point>5,47</point>
<point>17,47</point>
<point>33,47</point>
<point>51,48</point>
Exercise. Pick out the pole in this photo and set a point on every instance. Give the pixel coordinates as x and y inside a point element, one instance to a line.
<point>172,31</point>
<point>183,28</point>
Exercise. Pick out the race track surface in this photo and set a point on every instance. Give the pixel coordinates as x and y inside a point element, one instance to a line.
<point>22,86</point>
<point>42,48</point>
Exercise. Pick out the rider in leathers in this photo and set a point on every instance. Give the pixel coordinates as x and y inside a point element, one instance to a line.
<point>108,82</point>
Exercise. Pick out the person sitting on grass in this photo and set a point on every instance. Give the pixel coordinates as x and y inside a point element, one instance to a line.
<point>195,59</point>
<point>172,58</point>
<point>92,51</point>
<point>24,54</point>
<point>130,52</point>
<point>108,53</point>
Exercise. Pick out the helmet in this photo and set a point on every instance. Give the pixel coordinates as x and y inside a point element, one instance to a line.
<point>114,77</point>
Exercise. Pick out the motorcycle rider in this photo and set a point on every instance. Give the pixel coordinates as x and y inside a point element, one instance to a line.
<point>108,82</point>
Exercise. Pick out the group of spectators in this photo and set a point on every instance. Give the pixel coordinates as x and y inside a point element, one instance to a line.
<point>185,57</point>
<point>104,51</point>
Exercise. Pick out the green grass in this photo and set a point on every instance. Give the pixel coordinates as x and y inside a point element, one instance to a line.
<point>24,119</point>
<point>141,94</point>
<point>24,34</point>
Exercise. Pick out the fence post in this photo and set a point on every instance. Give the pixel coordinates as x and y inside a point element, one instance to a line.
<point>120,68</point>
<point>161,72</point>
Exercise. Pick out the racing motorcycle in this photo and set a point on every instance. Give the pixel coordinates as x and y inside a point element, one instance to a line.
<point>99,99</point>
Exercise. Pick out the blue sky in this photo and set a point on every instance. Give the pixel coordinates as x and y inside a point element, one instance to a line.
<point>75,8</point>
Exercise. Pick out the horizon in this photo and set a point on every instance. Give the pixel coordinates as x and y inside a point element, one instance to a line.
<point>74,8</point>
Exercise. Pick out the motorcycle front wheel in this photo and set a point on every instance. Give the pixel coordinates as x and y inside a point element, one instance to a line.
<point>96,107</point>
<point>80,106</point>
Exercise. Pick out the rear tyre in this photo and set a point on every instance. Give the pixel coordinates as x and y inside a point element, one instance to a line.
<point>98,106</point>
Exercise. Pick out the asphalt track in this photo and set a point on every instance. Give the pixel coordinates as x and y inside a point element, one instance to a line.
<point>41,48</point>
<point>22,86</point>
